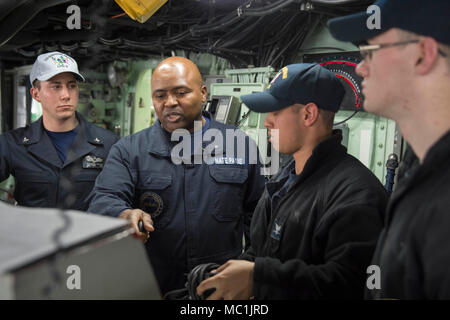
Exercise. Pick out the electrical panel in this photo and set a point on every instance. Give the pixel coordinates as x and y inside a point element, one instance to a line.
<point>224,109</point>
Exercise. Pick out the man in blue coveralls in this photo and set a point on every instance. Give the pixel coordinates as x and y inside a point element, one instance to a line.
<point>197,212</point>
<point>56,159</point>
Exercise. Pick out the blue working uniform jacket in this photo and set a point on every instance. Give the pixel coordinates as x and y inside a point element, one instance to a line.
<point>41,179</point>
<point>199,211</point>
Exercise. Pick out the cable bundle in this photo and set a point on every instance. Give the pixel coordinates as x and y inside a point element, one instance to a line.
<point>194,278</point>
<point>244,32</point>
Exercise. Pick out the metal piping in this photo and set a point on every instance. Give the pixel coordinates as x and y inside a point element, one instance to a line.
<point>13,23</point>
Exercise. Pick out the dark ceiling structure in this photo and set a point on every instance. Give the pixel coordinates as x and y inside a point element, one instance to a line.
<point>245,32</point>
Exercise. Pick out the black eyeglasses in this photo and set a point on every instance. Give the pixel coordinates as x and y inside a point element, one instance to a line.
<point>366,50</point>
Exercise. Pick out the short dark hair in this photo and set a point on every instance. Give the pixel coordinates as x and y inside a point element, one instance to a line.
<point>446,49</point>
<point>37,84</point>
<point>296,107</point>
<point>327,116</point>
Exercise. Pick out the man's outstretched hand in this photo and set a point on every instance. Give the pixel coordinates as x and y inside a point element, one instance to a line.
<point>233,281</point>
<point>133,216</point>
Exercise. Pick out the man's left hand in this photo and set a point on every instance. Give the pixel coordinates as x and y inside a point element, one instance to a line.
<point>233,281</point>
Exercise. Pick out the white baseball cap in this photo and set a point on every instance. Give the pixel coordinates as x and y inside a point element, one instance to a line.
<point>50,64</point>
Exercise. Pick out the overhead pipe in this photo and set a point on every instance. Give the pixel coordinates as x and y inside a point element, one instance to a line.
<point>13,23</point>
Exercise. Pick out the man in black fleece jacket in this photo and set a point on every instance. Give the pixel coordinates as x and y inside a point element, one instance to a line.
<point>406,77</point>
<point>315,228</point>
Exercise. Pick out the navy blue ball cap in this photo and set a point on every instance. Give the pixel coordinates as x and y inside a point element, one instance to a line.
<point>298,83</point>
<point>428,18</point>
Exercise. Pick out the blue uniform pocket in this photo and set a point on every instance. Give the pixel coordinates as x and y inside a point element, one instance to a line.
<point>33,189</point>
<point>229,189</point>
<point>84,183</point>
<point>154,196</point>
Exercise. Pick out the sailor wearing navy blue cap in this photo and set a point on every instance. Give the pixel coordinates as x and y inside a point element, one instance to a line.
<point>315,228</point>
<point>406,77</point>
<point>56,159</point>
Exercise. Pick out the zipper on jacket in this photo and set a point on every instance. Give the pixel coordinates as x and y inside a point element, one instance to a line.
<point>58,175</point>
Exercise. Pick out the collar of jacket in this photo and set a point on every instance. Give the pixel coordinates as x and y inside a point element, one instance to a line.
<point>159,139</point>
<point>437,158</point>
<point>39,144</point>
<point>439,154</point>
<point>327,151</point>
<point>35,130</point>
